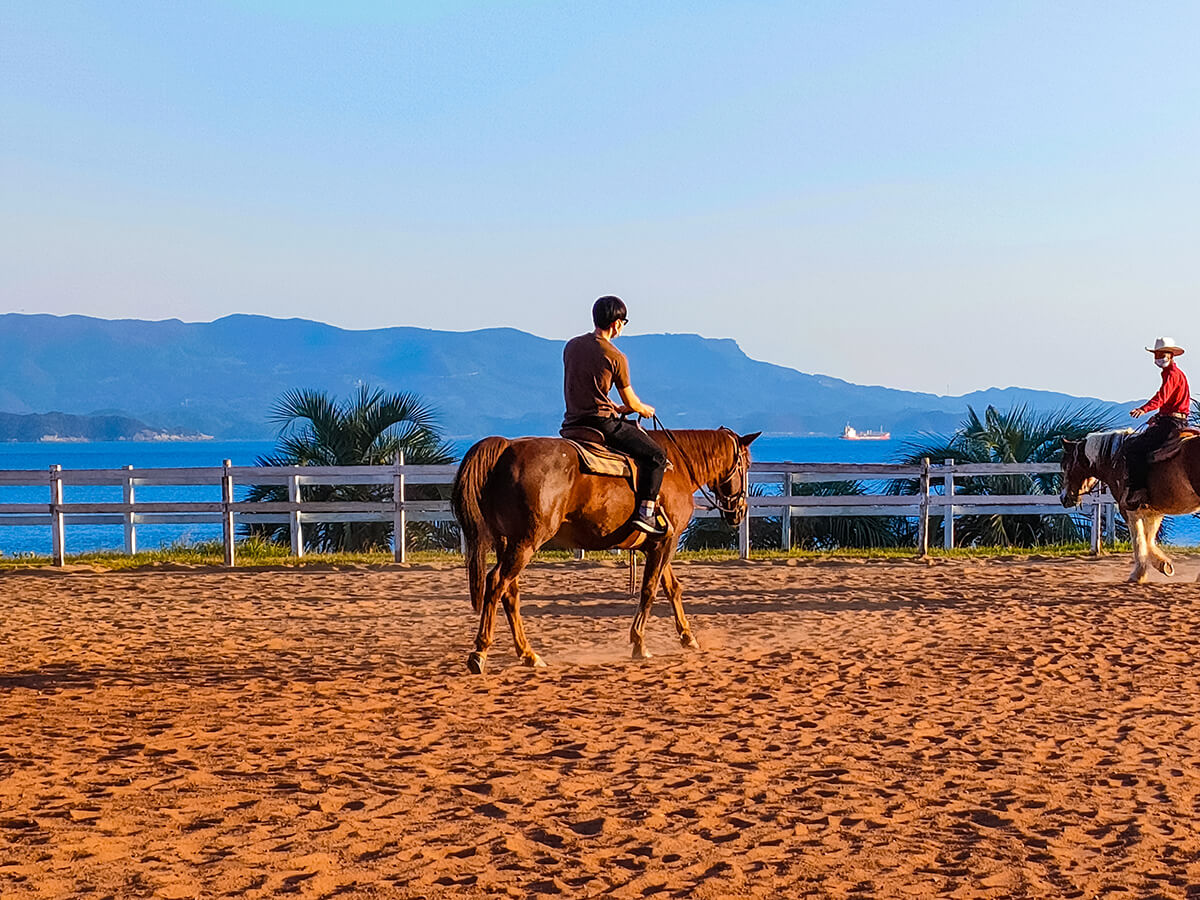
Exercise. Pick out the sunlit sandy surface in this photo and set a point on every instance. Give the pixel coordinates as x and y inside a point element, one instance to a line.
<point>961,728</point>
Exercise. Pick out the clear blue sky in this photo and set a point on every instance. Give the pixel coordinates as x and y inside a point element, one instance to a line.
<point>935,196</point>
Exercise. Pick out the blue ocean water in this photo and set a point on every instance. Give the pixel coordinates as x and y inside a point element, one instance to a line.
<point>111,455</point>
<point>18,539</point>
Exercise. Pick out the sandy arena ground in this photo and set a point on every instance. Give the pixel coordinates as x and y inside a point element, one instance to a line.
<point>851,729</point>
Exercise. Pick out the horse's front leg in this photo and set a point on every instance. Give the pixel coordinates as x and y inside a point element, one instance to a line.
<point>675,591</point>
<point>1159,559</point>
<point>1137,537</point>
<point>656,560</point>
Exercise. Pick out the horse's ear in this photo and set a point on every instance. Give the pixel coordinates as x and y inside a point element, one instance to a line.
<point>748,439</point>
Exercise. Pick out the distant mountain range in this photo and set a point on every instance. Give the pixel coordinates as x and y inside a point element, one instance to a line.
<point>64,427</point>
<point>222,377</point>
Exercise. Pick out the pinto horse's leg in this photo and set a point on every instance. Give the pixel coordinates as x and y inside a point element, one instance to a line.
<point>1160,560</point>
<point>675,591</point>
<point>657,557</point>
<point>1137,537</point>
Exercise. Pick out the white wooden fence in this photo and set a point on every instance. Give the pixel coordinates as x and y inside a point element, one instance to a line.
<point>935,496</point>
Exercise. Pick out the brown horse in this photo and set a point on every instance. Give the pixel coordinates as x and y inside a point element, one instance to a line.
<point>1174,490</point>
<point>514,496</point>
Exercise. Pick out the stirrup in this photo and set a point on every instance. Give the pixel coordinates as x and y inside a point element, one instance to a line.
<point>656,526</point>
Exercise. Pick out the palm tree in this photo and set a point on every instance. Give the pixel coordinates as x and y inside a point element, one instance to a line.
<point>1018,435</point>
<point>369,429</point>
<point>836,532</point>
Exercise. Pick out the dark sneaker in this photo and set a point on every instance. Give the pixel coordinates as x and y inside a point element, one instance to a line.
<point>648,524</point>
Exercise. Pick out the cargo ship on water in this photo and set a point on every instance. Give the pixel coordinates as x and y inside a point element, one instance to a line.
<point>852,434</point>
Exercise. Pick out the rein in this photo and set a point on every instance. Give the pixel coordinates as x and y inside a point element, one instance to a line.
<point>713,501</point>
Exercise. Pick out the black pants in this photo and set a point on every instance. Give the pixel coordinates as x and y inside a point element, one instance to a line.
<point>1138,448</point>
<point>623,435</point>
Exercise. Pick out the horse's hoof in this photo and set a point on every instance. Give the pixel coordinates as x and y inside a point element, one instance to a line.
<point>533,661</point>
<point>476,663</point>
<point>689,642</point>
<point>642,653</point>
<point>1168,569</point>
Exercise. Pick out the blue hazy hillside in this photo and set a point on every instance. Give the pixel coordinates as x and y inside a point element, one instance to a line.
<point>222,377</point>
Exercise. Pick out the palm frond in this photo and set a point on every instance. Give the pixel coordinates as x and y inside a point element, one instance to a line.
<point>369,428</point>
<point>1019,434</point>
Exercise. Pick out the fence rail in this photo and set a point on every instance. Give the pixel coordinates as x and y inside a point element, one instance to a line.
<point>935,493</point>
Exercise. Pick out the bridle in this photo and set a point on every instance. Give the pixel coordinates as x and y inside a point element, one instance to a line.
<point>1066,494</point>
<point>736,501</point>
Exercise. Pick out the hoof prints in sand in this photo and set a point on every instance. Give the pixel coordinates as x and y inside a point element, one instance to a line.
<point>966,729</point>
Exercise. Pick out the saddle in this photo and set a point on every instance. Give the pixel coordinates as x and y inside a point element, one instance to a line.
<point>597,459</point>
<point>1174,444</point>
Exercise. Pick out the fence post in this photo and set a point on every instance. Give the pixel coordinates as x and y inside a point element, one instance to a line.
<point>57,529</point>
<point>785,532</point>
<point>948,515</point>
<point>1096,518</point>
<point>923,520</point>
<point>130,527</point>
<point>227,513</point>
<point>744,536</point>
<point>399,518</point>
<point>1110,522</point>
<point>294,516</point>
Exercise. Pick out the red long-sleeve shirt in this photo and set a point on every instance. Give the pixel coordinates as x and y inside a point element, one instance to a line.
<point>1173,398</point>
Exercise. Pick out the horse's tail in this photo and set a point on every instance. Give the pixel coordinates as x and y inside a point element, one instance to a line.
<point>472,475</point>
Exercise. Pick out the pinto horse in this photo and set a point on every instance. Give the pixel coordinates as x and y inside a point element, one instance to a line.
<point>512,496</point>
<point>1174,489</point>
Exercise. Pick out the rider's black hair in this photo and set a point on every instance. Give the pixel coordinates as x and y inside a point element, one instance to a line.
<point>608,309</point>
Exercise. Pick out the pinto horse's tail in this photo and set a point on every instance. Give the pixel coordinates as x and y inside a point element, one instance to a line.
<point>472,475</point>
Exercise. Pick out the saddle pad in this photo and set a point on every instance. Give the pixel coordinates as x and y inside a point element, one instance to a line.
<point>600,460</point>
<point>1174,445</point>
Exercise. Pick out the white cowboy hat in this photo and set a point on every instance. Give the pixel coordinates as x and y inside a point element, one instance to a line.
<point>1166,345</point>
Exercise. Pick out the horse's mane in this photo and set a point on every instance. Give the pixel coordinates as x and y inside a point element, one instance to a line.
<point>708,451</point>
<point>1100,448</point>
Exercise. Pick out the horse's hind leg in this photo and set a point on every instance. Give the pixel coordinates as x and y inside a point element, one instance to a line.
<point>491,589</point>
<point>502,587</point>
<point>675,591</point>
<point>512,609</point>
<point>477,659</point>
